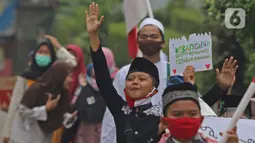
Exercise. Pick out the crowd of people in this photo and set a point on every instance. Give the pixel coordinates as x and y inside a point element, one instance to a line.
<point>60,100</point>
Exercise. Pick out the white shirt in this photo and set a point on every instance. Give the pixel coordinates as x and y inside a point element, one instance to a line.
<point>163,56</point>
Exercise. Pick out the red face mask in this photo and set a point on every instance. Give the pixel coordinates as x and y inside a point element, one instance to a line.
<point>183,128</point>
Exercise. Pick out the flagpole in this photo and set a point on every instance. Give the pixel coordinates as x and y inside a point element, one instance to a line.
<point>149,9</point>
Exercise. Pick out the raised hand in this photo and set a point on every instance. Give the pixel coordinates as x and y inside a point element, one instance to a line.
<point>93,25</point>
<point>226,77</point>
<point>92,22</point>
<point>189,75</point>
<point>51,103</point>
<point>54,41</point>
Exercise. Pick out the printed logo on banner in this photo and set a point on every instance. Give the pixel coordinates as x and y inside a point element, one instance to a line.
<point>196,52</point>
<point>235,18</point>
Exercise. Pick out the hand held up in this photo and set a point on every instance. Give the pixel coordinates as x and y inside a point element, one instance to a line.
<point>54,41</point>
<point>93,25</point>
<point>189,75</point>
<point>226,77</point>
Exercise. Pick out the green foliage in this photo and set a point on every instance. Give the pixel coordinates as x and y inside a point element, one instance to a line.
<point>69,26</point>
<point>189,14</point>
<point>246,36</point>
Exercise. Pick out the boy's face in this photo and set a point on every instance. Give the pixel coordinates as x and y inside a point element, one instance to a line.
<point>183,108</point>
<point>183,116</point>
<point>138,85</point>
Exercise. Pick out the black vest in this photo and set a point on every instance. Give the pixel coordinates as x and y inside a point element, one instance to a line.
<point>137,126</point>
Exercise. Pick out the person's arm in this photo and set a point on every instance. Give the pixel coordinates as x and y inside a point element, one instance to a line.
<point>214,94</point>
<point>62,53</point>
<point>28,109</point>
<point>38,113</point>
<point>18,92</point>
<point>113,101</point>
<point>225,79</point>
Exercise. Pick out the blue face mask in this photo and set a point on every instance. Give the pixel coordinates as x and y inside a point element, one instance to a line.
<point>42,60</point>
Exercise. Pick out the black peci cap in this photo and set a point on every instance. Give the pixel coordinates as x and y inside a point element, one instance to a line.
<point>144,65</point>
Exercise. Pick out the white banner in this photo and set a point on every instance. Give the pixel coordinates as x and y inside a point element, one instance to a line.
<point>196,52</point>
<point>212,126</point>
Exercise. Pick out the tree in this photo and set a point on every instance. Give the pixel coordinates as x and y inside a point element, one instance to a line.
<point>237,43</point>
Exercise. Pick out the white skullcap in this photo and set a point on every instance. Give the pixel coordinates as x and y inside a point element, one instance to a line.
<point>152,21</point>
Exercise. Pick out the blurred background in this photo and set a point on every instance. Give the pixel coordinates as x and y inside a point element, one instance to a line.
<point>24,22</point>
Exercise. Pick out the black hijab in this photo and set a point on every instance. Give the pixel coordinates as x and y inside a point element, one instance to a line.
<point>34,70</point>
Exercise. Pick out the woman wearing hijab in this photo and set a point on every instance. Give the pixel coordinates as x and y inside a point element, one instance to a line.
<point>85,130</point>
<point>76,51</point>
<point>43,105</point>
<point>90,103</point>
<point>42,58</point>
<point>79,70</point>
<point>91,107</point>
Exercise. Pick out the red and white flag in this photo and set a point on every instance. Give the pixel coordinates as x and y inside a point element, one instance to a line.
<point>135,11</point>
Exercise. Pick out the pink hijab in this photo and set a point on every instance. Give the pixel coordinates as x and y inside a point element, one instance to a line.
<point>110,61</point>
